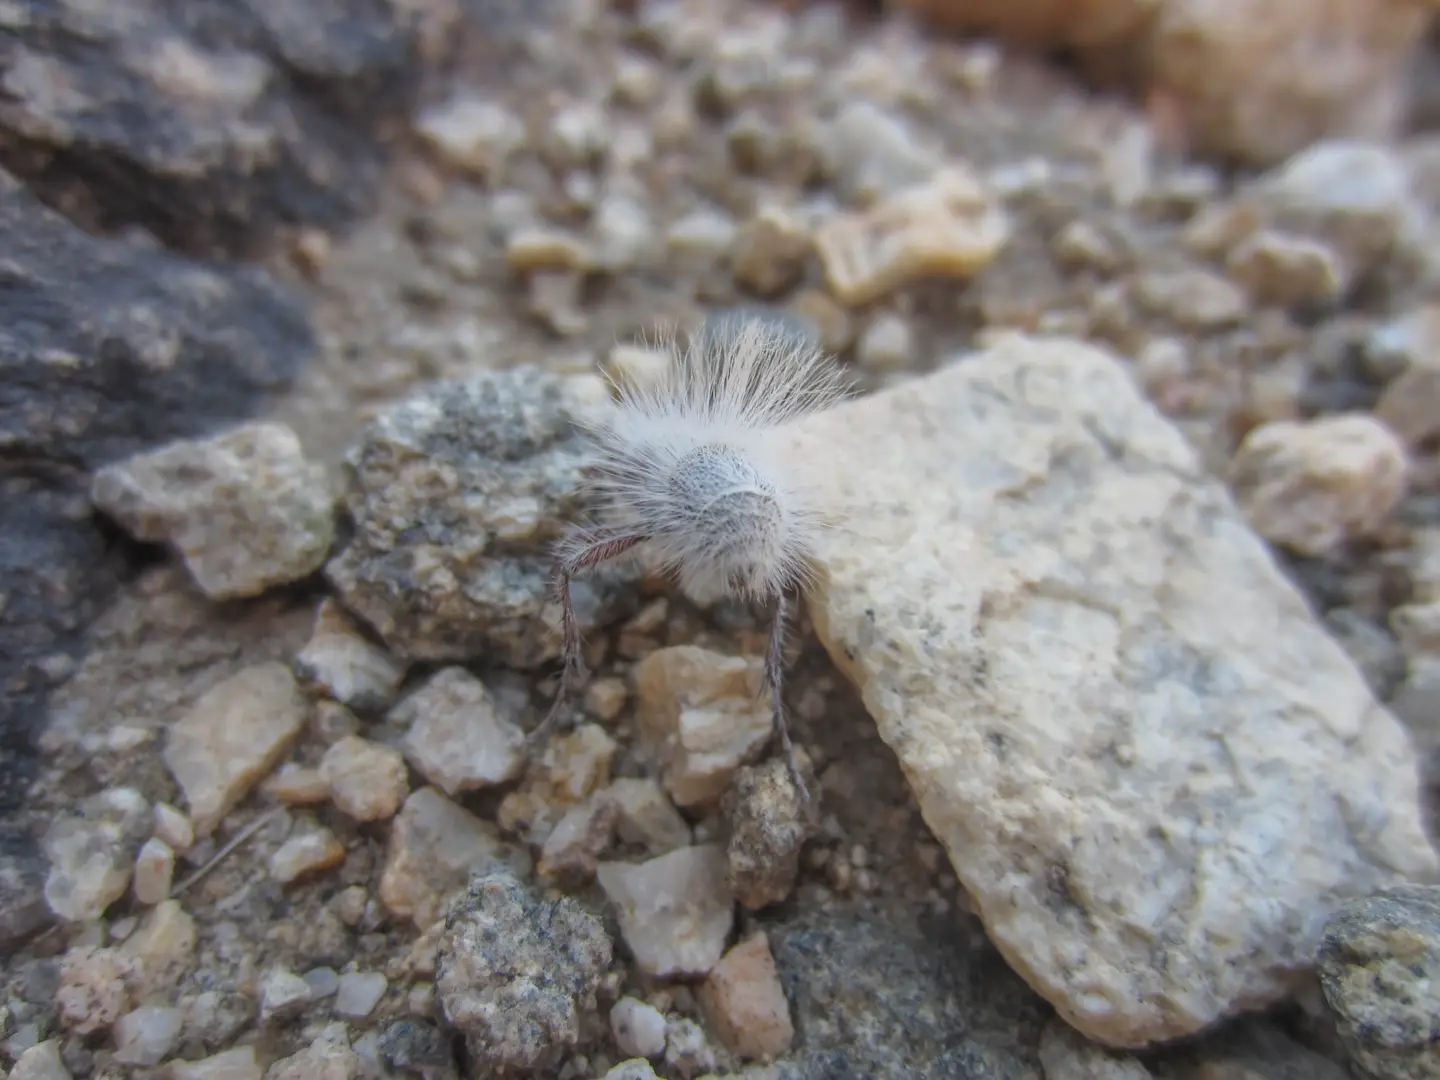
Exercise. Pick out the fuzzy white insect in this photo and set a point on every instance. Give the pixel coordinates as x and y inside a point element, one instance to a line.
<point>694,468</point>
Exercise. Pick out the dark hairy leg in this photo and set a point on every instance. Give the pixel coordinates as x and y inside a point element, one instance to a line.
<point>576,558</point>
<point>774,679</point>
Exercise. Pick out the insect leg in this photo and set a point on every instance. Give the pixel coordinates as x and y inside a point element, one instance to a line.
<point>575,558</point>
<point>774,678</point>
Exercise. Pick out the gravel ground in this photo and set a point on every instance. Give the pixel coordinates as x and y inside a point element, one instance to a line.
<point>290,827</point>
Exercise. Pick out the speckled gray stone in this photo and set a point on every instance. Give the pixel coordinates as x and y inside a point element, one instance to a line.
<point>516,974</point>
<point>1380,970</point>
<point>457,496</point>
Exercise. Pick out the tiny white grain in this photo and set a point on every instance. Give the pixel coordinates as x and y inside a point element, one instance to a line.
<point>696,468</point>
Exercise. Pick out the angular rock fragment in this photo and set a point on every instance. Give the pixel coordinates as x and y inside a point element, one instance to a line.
<point>92,853</point>
<point>745,1004</point>
<point>231,737</point>
<point>675,910</point>
<point>949,227</point>
<point>245,509</point>
<point>457,735</point>
<point>702,715</point>
<point>1117,715</point>
<point>343,665</point>
<point>435,846</point>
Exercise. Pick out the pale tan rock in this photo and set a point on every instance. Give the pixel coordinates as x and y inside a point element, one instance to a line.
<point>1287,271</point>
<point>471,133</point>
<point>638,1027</point>
<point>231,737</point>
<point>675,910</point>
<point>296,785</point>
<point>745,1005</point>
<point>366,780</point>
<point>328,1057</point>
<point>173,827</point>
<point>702,714</point>
<point>1312,485</point>
<point>1117,715</point>
<point>1262,79</point>
<point>154,870</point>
<point>578,840</point>
<point>457,737</point>
<point>163,946</point>
<point>92,852</point>
<point>435,846</point>
<point>646,816</point>
<point>245,509</point>
<point>237,1063</point>
<point>575,765</point>
<point>343,664</point>
<point>41,1062</point>
<point>950,227</point>
<point>310,849</point>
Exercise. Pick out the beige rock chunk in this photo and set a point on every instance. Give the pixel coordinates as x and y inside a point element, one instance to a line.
<point>154,869</point>
<point>1154,772</point>
<point>471,133</point>
<point>646,816</point>
<point>368,781</point>
<point>96,988</point>
<point>342,664</point>
<point>1262,79</point>
<point>745,1004</point>
<point>1312,485</point>
<point>435,846</point>
<point>235,1064</point>
<point>675,910</point>
<point>41,1062</point>
<point>328,1057</point>
<point>163,946</point>
<point>245,508</point>
<point>949,227</point>
<point>458,738</point>
<point>308,850</point>
<point>702,714</point>
<point>236,733</point>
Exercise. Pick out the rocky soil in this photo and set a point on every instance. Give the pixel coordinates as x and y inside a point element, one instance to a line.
<point>1118,686</point>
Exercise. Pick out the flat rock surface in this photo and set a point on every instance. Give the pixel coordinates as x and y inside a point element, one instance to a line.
<point>1153,770</point>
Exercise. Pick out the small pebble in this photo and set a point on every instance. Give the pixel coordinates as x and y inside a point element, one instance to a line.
<point>1313,485</point>
<point>471,134</point>
<point>366,780</point>
<point>297,785</point>
<point>458,736</point>
<point>341,663</point>
<point>639,1029</point>
<point>745,1004</point>
<point>173,828</point>
<point>283,995</point>
<point>323,982</point>
<point>309,850</point>
<point>888,344</point>
<point>675,910</point>
<point>646,816</point>
<point>359,993</point>
<point>41,1062</point>
<point>154,869</point>
<point>145,1036</point>
<point>238,1063</point>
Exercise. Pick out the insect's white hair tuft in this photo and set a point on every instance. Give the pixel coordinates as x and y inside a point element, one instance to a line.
<point>693,461</point>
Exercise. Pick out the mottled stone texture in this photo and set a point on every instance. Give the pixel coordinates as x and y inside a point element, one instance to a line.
<point>106,348</point>
<point>1153,769</point>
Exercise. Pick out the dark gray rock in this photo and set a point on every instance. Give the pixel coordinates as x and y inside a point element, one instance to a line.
<point>876,998</point>
<point>457,496</point>
<point>206,121</point>
<point>517,975</point>
<point>1380,971</point>
<point>106,348</point>
<point>22,887</point>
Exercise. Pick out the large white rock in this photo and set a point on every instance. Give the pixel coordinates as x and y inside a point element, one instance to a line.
<point>1152,769</point>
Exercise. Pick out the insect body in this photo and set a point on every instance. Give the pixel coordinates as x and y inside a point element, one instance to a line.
<point>695,468</point>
